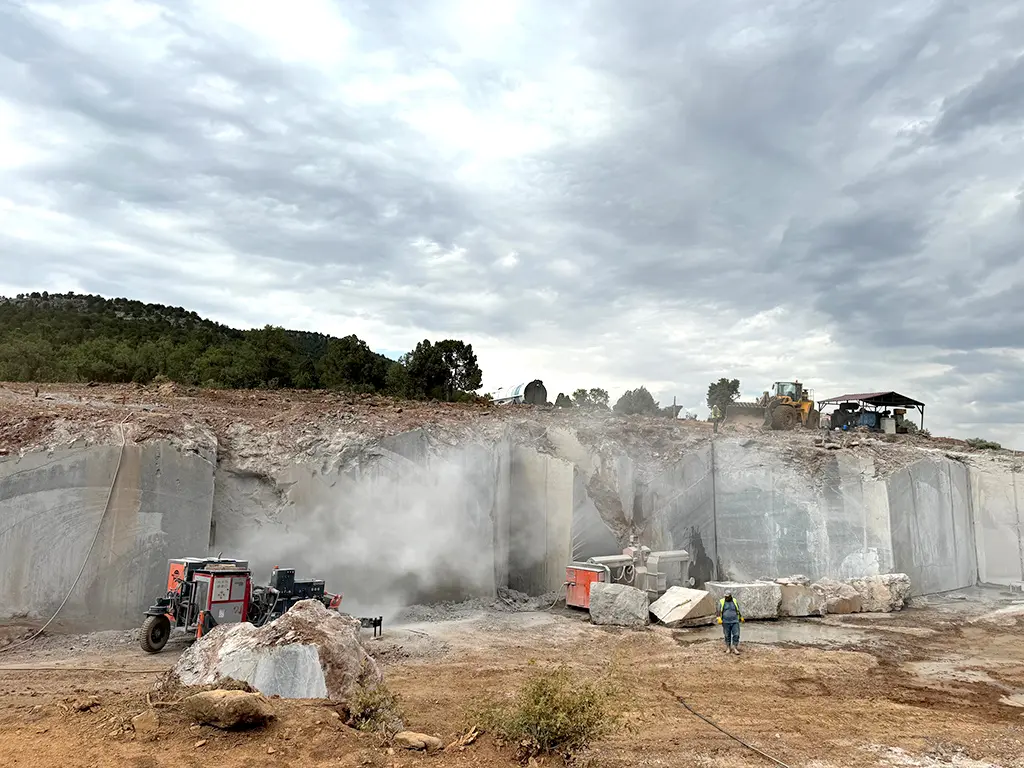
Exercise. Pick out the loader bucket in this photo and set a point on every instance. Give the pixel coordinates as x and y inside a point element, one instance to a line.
<point>744,415</point>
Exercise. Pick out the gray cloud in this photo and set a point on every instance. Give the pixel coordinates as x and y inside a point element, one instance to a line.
<point>633,182</point>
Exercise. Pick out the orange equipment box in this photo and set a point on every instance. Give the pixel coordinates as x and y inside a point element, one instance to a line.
<point>578,579</point>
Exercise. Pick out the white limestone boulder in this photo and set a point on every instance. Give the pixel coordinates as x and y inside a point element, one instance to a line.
<point>618,605</point>
<point>799,601</point>
<point>839,597</point>
<point>884,593</point>
<point>682,607</point>
<point>757,599</point>
<point>308,653</point>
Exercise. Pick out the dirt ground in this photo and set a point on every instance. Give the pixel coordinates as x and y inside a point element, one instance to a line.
<point>919,688</point>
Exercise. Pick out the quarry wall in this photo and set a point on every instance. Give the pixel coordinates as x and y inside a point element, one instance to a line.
<point>411,519</point>
<point>161,505</point>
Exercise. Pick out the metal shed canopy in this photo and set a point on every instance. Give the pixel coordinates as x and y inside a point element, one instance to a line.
<point>878,399</point>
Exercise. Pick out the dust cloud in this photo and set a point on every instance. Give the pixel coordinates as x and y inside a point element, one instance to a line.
<point>391,532</point>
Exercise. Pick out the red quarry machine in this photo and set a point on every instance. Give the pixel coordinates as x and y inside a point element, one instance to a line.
<point>203,592</point>
<point>637,566</point>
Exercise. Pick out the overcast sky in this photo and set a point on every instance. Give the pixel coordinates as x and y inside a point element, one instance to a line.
<point>598,193</point>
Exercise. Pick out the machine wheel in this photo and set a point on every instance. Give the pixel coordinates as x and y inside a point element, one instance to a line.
<point>784,417</point>
<point>155,632</point>
<point>813,419</point>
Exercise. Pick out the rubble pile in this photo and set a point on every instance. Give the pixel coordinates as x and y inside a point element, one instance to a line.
<point>308,653</point>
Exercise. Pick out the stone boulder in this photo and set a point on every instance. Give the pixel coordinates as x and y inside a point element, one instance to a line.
<point>417,741</point>
<point>801,600</point>
<point>682,607</point>
<point>228,709</point>
<point>618,605</point>
<point>884,593</point>
<point>308,653</point>
<point>146,725</point>
<point>839,597</point>
<point>757,599</point>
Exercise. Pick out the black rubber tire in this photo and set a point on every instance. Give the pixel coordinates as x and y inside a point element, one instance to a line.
<point>813,419</point>
<point>784,417</point>
<point>156,630</point>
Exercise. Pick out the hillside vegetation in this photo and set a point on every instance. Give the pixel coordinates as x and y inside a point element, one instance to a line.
<point>73,338</point>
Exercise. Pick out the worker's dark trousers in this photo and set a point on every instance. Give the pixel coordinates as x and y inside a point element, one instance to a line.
<point>732,634</point>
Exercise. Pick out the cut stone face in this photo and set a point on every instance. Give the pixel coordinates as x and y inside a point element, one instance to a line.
<point>757,600</point>
<point>680,607</point>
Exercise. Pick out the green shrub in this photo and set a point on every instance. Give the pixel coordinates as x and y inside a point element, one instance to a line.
<point>556,713</point>
<point>375,709</point>
<point>981,444</point>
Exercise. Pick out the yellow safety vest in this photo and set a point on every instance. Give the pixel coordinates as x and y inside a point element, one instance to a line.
<point>721,608</point>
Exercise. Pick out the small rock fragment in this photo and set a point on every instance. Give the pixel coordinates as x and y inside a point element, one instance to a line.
<point>86,704</point>
<point>146,725</point>
<point>418,741</point>
<point>200,743</point>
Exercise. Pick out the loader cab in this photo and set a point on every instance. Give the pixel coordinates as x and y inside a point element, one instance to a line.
<point>790,389</point>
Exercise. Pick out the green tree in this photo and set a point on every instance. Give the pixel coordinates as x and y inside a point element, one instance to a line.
<point>443,370</point>
<point>637,401</point>
<point>397,382</point>
<point>349,363</point>
<point>563,401</point>
<point>276,356</point>
<point>723,392</point>
<point>590,398</point>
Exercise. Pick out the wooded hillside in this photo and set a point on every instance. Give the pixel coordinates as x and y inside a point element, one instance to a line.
<point>74,338</point>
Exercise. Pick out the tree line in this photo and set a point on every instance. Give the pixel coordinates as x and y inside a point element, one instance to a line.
<point>633,402</point>
<point>640,401</point>
<point>74,338</point>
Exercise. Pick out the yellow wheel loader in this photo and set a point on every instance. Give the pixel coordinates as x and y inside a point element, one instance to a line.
<point>787,405</point>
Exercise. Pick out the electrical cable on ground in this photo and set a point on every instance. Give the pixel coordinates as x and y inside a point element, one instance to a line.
<point>691,710</point>
<point>558,595</point>
<point>95,538</point>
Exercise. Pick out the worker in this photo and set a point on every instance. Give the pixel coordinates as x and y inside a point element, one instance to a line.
<point>730,617</point>
<point>716,414</point>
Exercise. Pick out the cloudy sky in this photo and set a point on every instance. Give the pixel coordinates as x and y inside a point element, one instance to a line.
<point>592,192</point>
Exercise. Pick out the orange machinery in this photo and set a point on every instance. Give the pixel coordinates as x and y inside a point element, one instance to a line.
<point>637,566</point>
